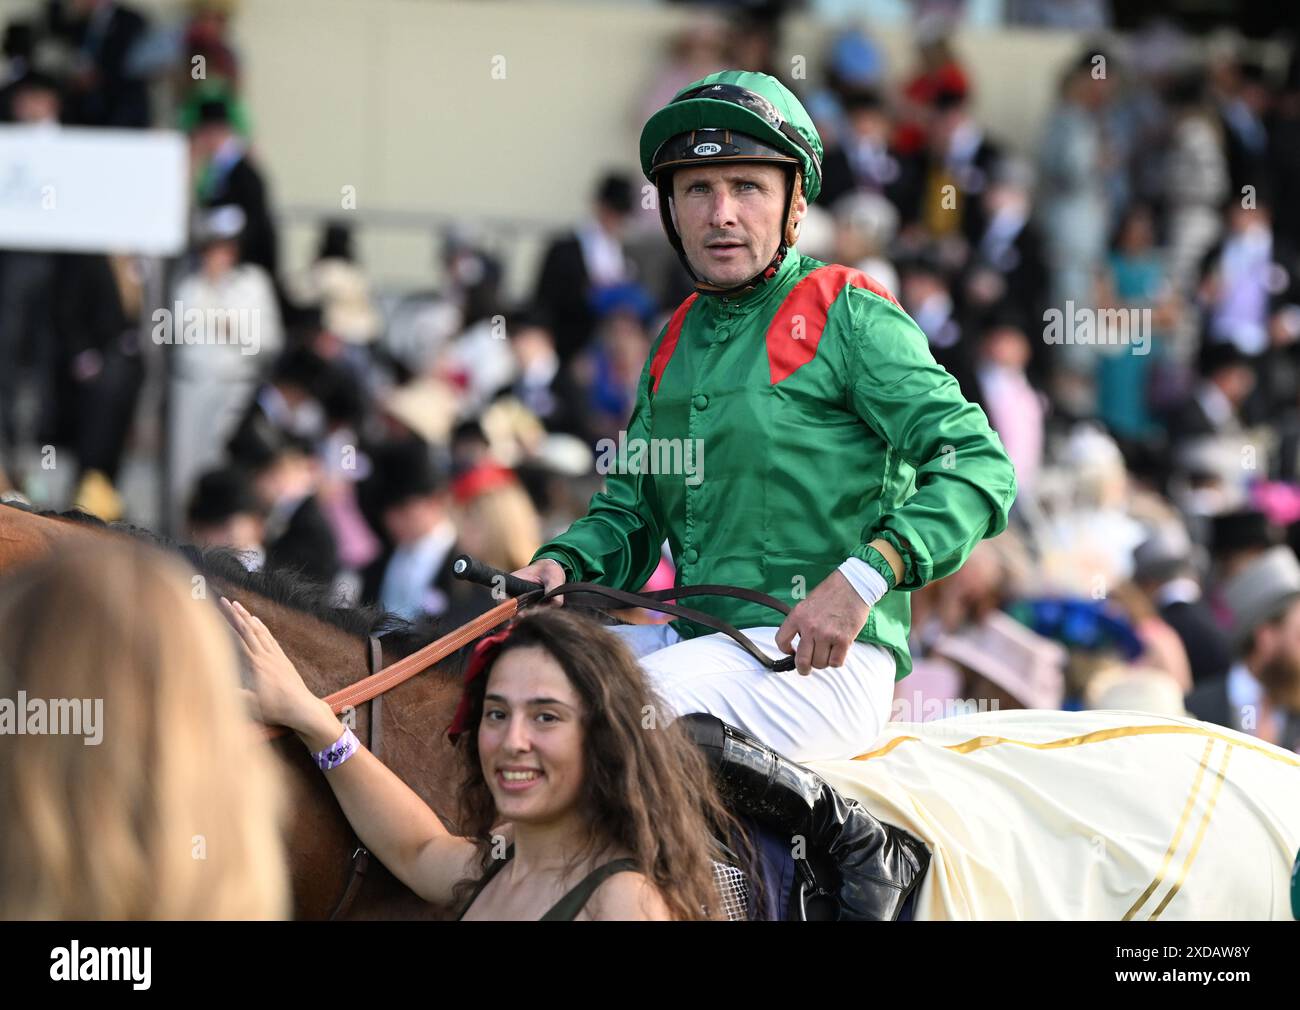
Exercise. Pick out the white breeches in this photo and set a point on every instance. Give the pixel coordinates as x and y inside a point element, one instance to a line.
<point>831,714</point>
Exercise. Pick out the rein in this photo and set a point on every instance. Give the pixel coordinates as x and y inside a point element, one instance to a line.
<point>417,662</point>
<point>377,684</point>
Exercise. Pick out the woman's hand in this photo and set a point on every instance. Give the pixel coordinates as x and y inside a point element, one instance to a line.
<point>279,696</point>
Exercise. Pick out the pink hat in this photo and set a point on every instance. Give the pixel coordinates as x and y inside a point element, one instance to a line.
<point>1024,664</point>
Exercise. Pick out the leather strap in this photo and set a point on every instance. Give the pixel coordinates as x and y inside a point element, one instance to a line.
<point>361,855</point>
<point>360,864</point>
<point>657,600</point>
<point>417,662</point>
<point>377,702</point>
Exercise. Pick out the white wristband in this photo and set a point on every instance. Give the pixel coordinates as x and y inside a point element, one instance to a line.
<point>869,583</point>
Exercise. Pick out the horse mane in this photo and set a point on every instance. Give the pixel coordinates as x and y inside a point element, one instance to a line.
<point>285,587</point>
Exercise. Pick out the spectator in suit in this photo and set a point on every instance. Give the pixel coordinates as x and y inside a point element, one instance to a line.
<point>1244,111</point>
<point>1164,572</point>
<point>28,342</point>
<point>1284,156</point>
<point>1007,268</point>
<point>224,512</point>
<point>226,174</point>
<point>928,298</point>
<point>580,263</point>
<point>861,160</point>
<point>541,384</point>
<point>1236,539</point>
<point>101,372</point>
<point>286,478</point>
<point>1215,407</point>
<point>1260,694</point>
<point>955,170</point>
<point>413,577</point>
<point>103,87</point>
<point>18,46</point>
<point>289,402</point>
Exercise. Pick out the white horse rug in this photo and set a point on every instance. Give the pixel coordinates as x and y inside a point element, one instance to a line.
<point>1086,815</point>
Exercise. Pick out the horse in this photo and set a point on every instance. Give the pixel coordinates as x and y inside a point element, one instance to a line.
<point>1027,814</point>
<point>330,646</point>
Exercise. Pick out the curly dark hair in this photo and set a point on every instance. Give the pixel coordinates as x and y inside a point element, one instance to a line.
<point>646,787</point>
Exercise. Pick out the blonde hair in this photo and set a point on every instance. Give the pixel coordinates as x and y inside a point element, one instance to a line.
<point>503,525</point>
<point>176,812</point>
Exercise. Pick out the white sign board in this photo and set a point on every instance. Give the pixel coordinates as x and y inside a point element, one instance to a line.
<point>71,189</point>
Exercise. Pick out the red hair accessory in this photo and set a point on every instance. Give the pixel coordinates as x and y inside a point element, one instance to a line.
<point>484,653</point>
<point>485,477</point>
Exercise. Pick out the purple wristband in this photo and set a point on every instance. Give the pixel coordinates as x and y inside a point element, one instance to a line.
<point>337,752</point>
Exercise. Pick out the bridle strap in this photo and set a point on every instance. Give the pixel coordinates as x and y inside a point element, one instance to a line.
<point>360,854</point>
<point>377,702</point>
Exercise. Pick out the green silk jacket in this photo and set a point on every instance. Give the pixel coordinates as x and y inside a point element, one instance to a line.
<point>775,435</point>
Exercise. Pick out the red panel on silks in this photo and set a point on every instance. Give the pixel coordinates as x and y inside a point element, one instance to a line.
<point>669,343</point>
<point>797,327</point>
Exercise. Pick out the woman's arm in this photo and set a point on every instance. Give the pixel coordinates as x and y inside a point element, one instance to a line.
<point>387,815</point>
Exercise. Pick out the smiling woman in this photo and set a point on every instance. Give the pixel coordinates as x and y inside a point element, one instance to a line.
<point>571,752</point>
<point>564,748</point>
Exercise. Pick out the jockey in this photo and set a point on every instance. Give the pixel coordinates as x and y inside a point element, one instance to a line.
<point>827,459</point>
<point>832,463</point>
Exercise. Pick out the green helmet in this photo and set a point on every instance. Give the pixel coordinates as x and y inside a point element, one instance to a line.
<point>731,116</point>
<point>756,105</point>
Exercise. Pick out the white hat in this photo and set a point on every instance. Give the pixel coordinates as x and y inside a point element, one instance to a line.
<point>1262,590</point>
<point>1136,689</point>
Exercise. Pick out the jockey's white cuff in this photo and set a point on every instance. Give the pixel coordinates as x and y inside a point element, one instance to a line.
<point>869,583</point>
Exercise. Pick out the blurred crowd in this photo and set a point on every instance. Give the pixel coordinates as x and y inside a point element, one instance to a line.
<point>1122,299</point>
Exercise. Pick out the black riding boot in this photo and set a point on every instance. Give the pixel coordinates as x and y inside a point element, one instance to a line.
<point>878,865</point>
